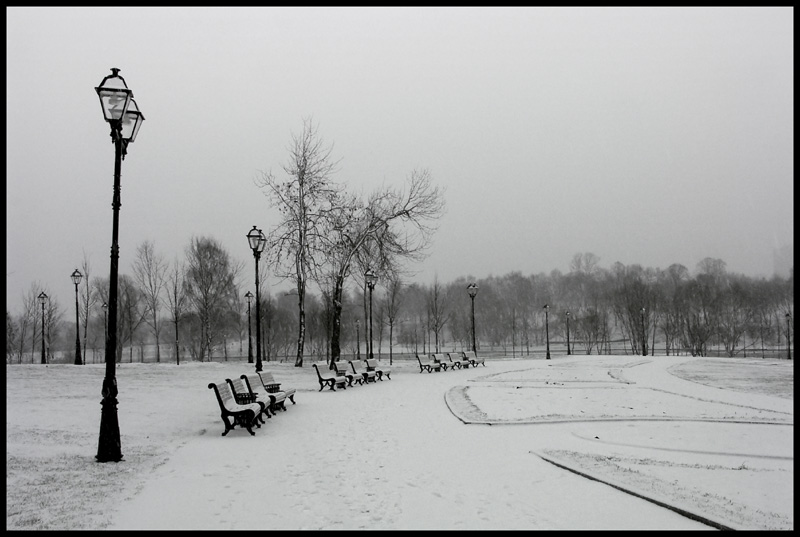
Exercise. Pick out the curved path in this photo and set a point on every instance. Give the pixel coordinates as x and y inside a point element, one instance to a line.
<point>386,456</point>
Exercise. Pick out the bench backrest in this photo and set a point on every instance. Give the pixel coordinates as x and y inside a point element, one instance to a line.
<point>456,357</point>
<point>439,357</point>
<point>341,367</point>
<point>356,365</point>
<point>253,382</point>
<point>372,364</point>
<point>224,395</point>
<point>324,372</point>
<point>469,355</point>
<point>423,361</point>
<point>237,385</point>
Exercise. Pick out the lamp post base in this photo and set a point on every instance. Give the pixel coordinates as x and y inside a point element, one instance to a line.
<point>109,448</point>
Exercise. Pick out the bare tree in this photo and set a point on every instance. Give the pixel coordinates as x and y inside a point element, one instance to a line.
<point>176,301</point>
<point>210,287</point>
<point>392,225</point>
<point>149,270</point>
<point>393,299</point>
<point>89,299</point>
<point>438,310</point>
<point>304,199</point>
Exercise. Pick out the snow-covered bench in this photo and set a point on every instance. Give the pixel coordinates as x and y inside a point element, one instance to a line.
<point>428,364</point>
<point>329,378</point>
<point>255,386</point>
<point>358,369</point>
<point>243,415</point>
<point>458,359</point>
<point>474,359</point>
<point>382,371</point>
<point>341,369</point>
<point>273,386</point>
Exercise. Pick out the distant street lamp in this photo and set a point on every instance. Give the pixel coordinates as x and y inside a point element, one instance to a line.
<point>568,351</point>
<point>125,119</point>
<point>76,279</point>
<point>472,289</point>
<point>257,242</point>
<point>547,329</point>
<point>249,297</point>
<point>788,340</point>
<point>644,336</point>
<point>371,278</point>
<point>42,300</point>
<point>105,324</point>
<point>358,341</point>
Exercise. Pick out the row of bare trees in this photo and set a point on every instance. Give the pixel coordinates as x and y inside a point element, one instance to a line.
<point>621,309</point>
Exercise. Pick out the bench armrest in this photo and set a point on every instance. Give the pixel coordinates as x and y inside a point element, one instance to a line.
<point>245,398</point>
<point>272,388</point>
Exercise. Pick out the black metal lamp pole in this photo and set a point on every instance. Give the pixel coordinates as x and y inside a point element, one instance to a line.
<point>568,351</point>
<point>122,114</point>
<point>472,289</point>
<point>788,341</point>
<point>76,279</point>
<point>105,320</point>
<point>249,297</point>
<point>644,336</point>
<point>371,278</point>
<point>358,341</point>
<point>42,300</point>
<point>547,328</point>
<point>257,242</point>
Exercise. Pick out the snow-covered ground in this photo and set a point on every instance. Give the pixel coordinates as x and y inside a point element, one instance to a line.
<point>578,442</point>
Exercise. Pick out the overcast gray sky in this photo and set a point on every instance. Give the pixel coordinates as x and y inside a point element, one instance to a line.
<point>643,135</point>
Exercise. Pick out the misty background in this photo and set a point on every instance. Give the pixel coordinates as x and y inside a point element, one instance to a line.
<point>646,136</point>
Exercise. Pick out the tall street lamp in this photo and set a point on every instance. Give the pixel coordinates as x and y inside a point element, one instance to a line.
<point>644,336</point>
<point>788,341</point>
<point>42,300</point>
<point>76,279</point>
<point>358,341</point>
<point>105,325</point>
<point>568,351</point>
<point>472,289</point>
<point>249,297</point>
<point>257,242</point>
<point>547,328</point>
<point>371,278</point>
<point>125,119</point>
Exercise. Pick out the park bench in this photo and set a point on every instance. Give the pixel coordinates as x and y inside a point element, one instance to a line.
<point>382,371</point>
<point>474,359</point>
<point>273,386</point>
<point>428,364</point>
<point>458,359</point>
<point>243,396</point>
<point>243,415</point>
<point>341,369</point>
<point>276,399</point>
<point>358,369</point>
<point>443,360</point>
<point>329,378</point>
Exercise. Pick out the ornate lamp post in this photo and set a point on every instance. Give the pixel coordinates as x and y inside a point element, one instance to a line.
<point>105,319</point>
<point>249,297</point>
<point>358,341</point>
<point>125,119</point>
<point>472,289</point>
<point>371,278</point>
<point>42,300</point>
<point>644,336</point>
<point>788,341</point>
<point>547,328</point>
<point>568,350</point>
<point>76,279</point>
<point>257,242</point>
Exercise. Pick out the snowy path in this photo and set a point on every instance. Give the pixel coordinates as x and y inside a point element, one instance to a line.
<point>392,456</point>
